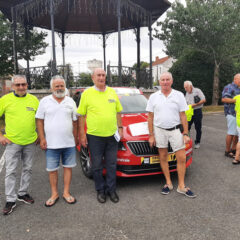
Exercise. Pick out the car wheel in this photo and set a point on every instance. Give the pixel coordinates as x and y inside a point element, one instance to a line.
<point>86,162</point>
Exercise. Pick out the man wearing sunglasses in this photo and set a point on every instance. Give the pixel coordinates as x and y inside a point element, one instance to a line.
<point>19,108</point>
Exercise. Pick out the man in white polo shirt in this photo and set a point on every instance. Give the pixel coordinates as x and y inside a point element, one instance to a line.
<point>57,129</point>
<point>166,112</point>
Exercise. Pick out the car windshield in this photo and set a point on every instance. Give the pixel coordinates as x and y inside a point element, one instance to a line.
<point>135,103</point>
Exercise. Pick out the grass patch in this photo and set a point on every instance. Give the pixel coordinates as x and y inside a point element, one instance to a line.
<point>212,108</point>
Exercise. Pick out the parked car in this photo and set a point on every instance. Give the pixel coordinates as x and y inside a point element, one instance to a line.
<point>135,157</point>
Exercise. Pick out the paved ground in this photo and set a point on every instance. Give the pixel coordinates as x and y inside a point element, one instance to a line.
<point>142,213</point>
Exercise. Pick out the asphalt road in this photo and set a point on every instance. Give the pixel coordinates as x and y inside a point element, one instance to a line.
<point>142,213</point>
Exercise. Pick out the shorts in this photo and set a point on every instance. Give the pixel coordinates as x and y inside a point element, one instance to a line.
<point>232,125</point>
<point>53,157</point>
<point>175,137</point>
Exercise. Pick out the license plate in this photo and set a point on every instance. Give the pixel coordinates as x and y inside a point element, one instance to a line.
<point>155,159</point>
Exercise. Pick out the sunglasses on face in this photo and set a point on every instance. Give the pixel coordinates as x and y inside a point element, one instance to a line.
<point>20,84</point>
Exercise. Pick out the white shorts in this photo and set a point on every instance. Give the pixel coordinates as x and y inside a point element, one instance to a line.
<point>175,137</point>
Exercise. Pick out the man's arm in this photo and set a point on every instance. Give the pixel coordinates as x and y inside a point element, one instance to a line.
<point>184,122</point>
<point>151,139</point>
<point>75,131</point>
<point>82,133</point>
<point>228,100</point>
<point>41,135</point>
<point>199,103</point>
<point>119,123</point>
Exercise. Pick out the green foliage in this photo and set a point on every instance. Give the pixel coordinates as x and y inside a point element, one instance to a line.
<point>196,67</point>
<point>85,79</point>
<point>67,73</point>
<point>143,65</point>
<point>35,44</point>
<point>208,26</point>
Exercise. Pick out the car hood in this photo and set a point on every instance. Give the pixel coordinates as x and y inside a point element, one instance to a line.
<point>130,120</point>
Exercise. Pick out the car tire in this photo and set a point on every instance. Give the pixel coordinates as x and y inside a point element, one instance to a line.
<point>86,162</point>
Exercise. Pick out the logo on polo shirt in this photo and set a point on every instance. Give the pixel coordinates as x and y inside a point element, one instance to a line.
<point>111,100</point>
<point>30,109</point>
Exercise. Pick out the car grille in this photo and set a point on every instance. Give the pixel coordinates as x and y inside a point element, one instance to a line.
<point>143,148</point>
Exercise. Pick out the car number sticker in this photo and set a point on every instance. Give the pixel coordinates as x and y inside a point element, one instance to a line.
<point>155,159</point>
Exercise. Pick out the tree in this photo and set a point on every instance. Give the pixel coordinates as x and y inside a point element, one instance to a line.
<point>67,73</point>
<point>85,79</point>
<point>194,67</point>
<point>35,45</point>
<point>208,26</point>
<point>143,65</point>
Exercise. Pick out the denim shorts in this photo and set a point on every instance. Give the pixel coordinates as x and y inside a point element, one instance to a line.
<point>53,157</point>
<point>232,125</point>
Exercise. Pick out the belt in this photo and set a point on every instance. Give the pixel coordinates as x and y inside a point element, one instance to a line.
<point>173,128</point>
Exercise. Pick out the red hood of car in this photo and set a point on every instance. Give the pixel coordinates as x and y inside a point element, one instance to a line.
<point>132,118</point>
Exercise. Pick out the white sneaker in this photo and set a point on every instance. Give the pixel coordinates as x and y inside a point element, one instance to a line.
<point>196,146</point>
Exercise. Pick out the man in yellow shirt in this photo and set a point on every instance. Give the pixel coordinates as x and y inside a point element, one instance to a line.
<point>19,108</point>
<point>100,110</point>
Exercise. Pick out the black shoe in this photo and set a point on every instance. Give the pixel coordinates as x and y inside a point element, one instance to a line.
<point>9,208</point>
<point>25,198</point>
<point>113,197</point>
<point>101,197</point>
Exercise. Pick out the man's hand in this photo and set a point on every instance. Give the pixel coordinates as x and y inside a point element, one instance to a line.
<point>43,144</point>
<point>120,131</point>
<point>76,140</point>
<point>37,141</point>
<point>152,141</point>
<point>83,140</point>
<point>4,141</point>
<point>186,139</point>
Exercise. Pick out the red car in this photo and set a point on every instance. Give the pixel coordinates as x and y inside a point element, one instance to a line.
<point>135,157</point>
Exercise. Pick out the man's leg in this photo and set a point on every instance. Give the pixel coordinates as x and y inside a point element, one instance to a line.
<point>67,177</point>
<point>163,155</point>
<point>52,161</point>
<point>181,167</point>
<point>229,139</point>
<point>97,147</point>
<point>53,180</point>
<point>12,156</point>
<point>68,162</point>
<point>110,157</point>
<point>198,125</point>
<point>27,159</point>
<point>234,143</point>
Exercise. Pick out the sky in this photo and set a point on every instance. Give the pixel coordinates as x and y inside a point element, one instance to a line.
<point>79,48</point>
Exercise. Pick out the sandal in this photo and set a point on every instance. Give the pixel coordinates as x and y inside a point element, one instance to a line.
<point>236,161</point>
<point>70,200</point>
<point>51,202</point>
<point>229,154</point>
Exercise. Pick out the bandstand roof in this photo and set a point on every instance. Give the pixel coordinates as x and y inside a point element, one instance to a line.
<point>85,16</point>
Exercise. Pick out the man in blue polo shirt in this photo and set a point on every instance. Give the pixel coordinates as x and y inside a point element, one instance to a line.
<point>228,93</point>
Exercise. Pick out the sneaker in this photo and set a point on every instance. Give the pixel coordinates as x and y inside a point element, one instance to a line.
<point>166,189</point>
<point>25,198</point>
<point>197,145</point>
<point>187,192</point>
<point>9,208</point>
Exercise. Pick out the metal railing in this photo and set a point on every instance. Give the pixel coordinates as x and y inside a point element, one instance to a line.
<point>39,77</point>
<point>130,77</point>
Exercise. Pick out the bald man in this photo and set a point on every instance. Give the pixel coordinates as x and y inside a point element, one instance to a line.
<point>100,109</point>
<point>166,112</point>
